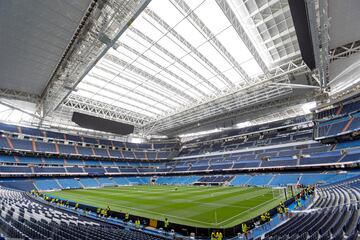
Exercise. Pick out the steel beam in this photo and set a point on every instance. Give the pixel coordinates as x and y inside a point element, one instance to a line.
<point>102,26</point>
<point>223,105</point>
<point>324,43</point>
<point>148,110</point>
<point>292,85</point>
<point>148,76</point>
<point>212,39</point>
<point>9,105</point>
<point>132,80</point>
<point>104,110</point>
<point>268,4</point>
<point>172,56</point>
<point>162,68</point>
<point>171,30</point>
<point>259,91</point>
<point>344,51</point>
<point>252,110</point>
<point>19,95</point>
<point>227,10</point>
<point>126,88</point>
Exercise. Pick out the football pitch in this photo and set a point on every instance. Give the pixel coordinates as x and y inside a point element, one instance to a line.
<point>197,206</point>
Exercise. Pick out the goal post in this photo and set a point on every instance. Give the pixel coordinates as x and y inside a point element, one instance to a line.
<point>280,192</point>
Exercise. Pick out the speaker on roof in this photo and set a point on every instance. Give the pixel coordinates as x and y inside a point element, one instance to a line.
<point>298,9</point>
<point>101,124</point>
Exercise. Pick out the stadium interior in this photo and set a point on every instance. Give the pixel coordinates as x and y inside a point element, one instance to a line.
<point>180,119</point>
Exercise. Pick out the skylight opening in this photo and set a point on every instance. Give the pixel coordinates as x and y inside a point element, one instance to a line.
<point>11,115</point>
<point>200,133</point>
<point>154,66</point>
<point>243,124</point>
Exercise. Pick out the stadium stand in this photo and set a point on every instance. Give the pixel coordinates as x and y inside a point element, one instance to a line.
<point>23,218</point>
<point>240,117</point>
<point>37,141</point>
<point>235,180</point>
<point>335,215</point>
<point>61,166</point>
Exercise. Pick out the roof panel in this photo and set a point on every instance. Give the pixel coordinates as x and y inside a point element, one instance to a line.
<point>190,33</point>
<point>183,73</point>
<point>167,11</point>
<point>34,36</point>
<point>252,68</point>
<point>147,28</point>
<point>176,49</point>
<point>198,65</point>
<point>210,13</point>
<point>234,76</point>
<point>214,56</point>
<point>231,40</point>
<point>156,71</point>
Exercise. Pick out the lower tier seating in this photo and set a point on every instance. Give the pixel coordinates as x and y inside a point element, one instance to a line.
<point>23,218</point>
<point>334,215</point>
<point>274,179</point>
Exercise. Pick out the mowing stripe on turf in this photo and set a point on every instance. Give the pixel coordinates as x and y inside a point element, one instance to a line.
<point>189,205</point>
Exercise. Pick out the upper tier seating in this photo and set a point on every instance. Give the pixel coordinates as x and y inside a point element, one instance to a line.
<point>274,158</point>
<point>256,128</point>
<point>346,108</point>
<point>20,144</point>
<point>338,121</point>
<point>62,137</point>
<point>250,142</point>
<point>69,149</point>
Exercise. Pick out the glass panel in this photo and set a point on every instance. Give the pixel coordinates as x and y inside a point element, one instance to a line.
<point>198,65</point>
<point>214,56</point>
<point>233,75</point>
<point>252,68</point>
<point>217,82</point>
<point>212,16</point>
<point>167,11</point>
<point>172,47</point>
<point>83,93</point>
<point>190,33</point>
<point>158,57</point>
<point>85,86</point>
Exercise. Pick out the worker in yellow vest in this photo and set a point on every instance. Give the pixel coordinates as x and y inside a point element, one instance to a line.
<point>137,224</point>
<point>127,217</point>
<point>213,236</point>
<point>219,235</point>
<point>166,224</point>
<point>282,205</point>
<point>263,221</point>
<point>280,211</point>
<point>244,229</point>
<point>287,212</point>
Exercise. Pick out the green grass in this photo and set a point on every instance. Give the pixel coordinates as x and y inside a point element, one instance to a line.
<point>210,207</point>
